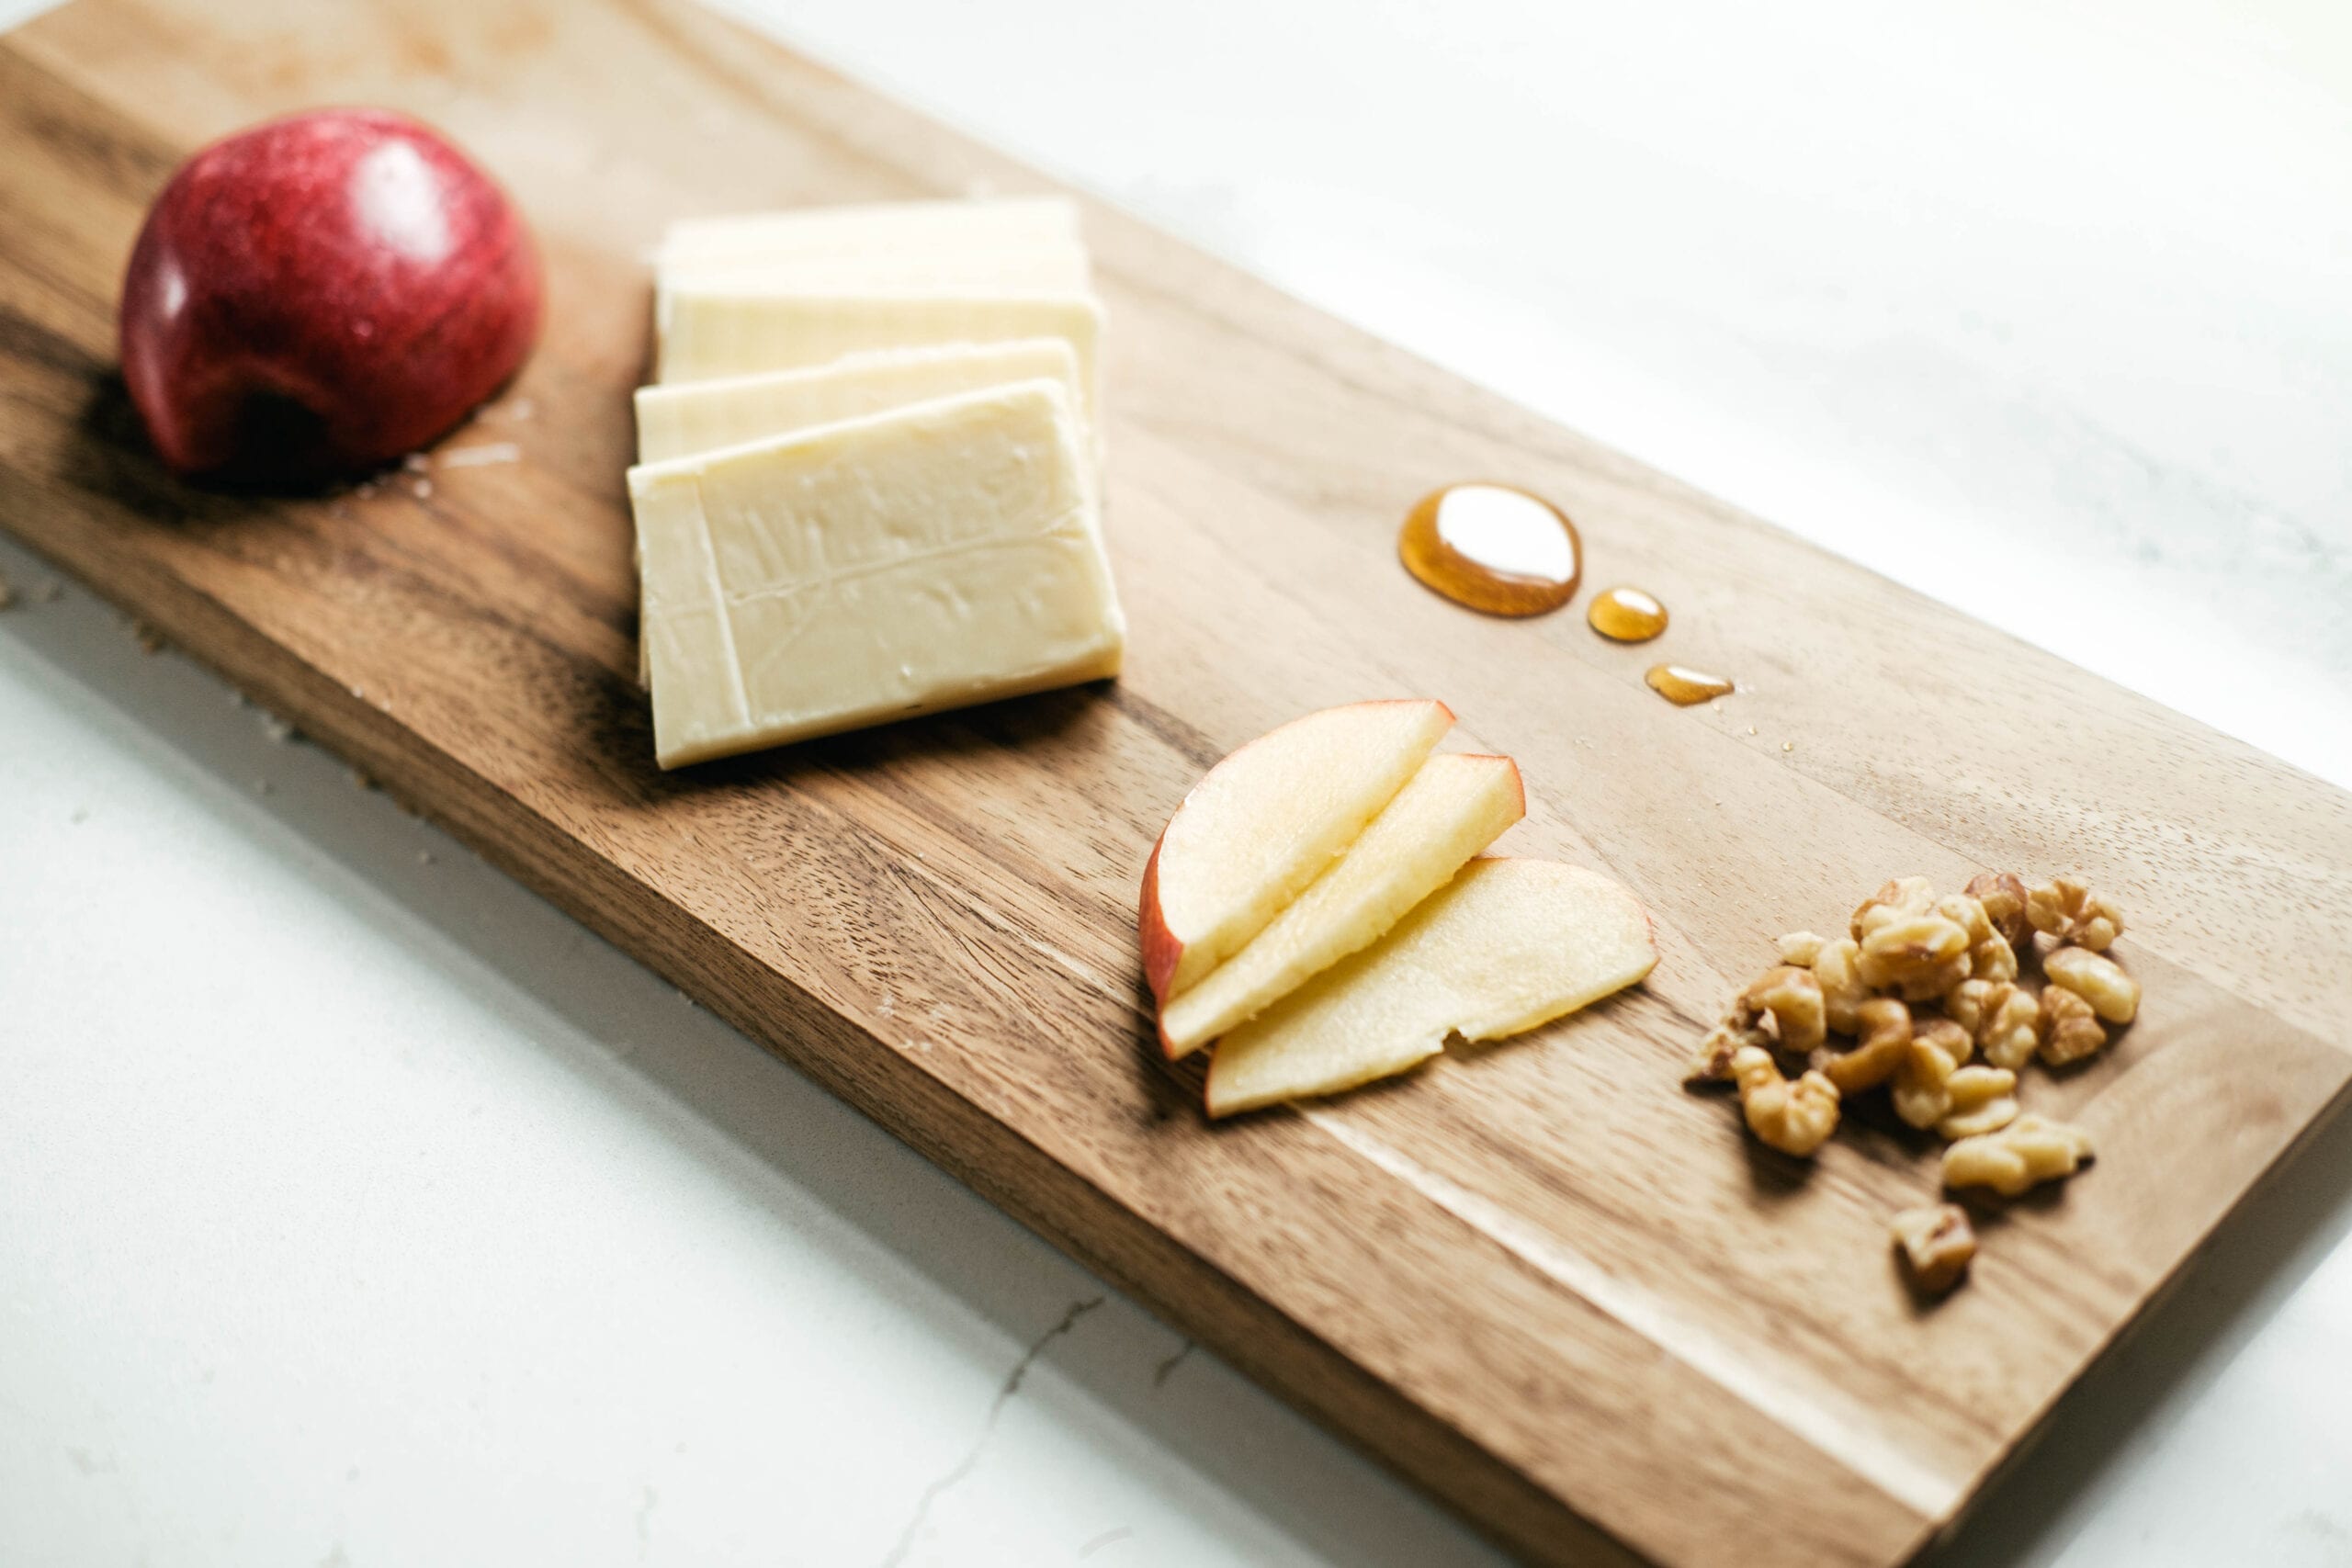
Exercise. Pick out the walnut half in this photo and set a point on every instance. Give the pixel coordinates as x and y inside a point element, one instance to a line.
<point>1922,1091</point>
<point>1983,1100</point>
<point>1842,991</point>
<point>1904,895</point>
<point>2070,912</point>
<point>1919,956</point>
<point>2003,1017</point>
<point>1787,1002</point>
<point>2003,895</point>
<point>1794,1118</point>
<point>1938,1244</point>
<point>1884,1026</point>
<point>2027,1152</point>
<point>2098,979</point>
<point>2070,1030</point>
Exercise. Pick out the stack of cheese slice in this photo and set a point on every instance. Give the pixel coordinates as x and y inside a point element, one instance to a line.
<point>868,477</point>
<point>1318,908</point>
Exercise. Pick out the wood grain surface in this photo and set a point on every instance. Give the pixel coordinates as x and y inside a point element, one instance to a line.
<point>1540,1278</point>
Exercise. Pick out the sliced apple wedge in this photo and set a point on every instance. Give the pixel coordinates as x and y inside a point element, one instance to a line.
<point>1268,820</point>
<point>1509,945</point>
<point>1453,806</point>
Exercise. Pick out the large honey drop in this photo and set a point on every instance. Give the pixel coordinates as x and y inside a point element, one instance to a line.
<point>1685,687</point>
<point>1493,549</point>
<point>1627,614</point>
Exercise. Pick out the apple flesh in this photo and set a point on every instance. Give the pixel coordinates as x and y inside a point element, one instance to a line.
<point>322,294</point>
<point>1267,822</point>
<point>1507,945</point>
<point>1453,806</point>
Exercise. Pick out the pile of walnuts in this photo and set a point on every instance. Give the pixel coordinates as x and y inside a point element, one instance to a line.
<point>1926,997</point>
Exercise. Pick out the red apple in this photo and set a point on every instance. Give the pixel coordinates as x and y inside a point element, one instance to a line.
<point>322,294</point>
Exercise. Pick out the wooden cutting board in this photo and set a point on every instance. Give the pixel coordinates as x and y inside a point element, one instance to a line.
<point>1541,1279</point>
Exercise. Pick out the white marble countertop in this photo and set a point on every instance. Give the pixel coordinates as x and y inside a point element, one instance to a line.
<point>357,1209</point>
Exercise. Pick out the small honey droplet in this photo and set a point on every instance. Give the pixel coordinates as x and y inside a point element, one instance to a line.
<point>1493,549</point>
<point>1626,614</point>
<point>1684,687</point>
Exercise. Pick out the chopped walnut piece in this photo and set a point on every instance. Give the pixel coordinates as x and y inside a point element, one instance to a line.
<point>1800,948</point>
<point>2070,1030</point>
<point>1787,1000</point>
<point>1938,1244</point>
<point>1794,1118</point>
<point>1967,912</point>
<point>1712,1062</point>
<point>2004,896</point>
<point>1992,959</point>
<point>1924,986</point>
<point>2098,979</point>
<point>1983,1100</point>
<point>2071,912</point>
<point>1965,1003</point>
<point>1885,1027</point>
<point>1922,1091</point>
<point>1990,956</point>
<point>2003,1018</point>
<point>1835,966</point>
<point>1919,955</point>
<point>2028,1151</point>
<point>1945,1035</point>
<point>1904,895</point>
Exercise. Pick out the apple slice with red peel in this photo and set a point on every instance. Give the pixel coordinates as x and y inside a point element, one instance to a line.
<point>1453,806</point>
<point>1268,820</point>
<point>1507,945</point>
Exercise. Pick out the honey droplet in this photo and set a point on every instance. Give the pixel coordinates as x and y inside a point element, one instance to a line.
<point>1493,549</point>
<point>1627,614</point>
<point>1683,687</point>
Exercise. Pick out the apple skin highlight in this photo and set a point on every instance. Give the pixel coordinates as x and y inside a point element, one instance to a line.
<point>322,294</point>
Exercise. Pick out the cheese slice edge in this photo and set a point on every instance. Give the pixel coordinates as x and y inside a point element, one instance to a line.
<point>710,333</point>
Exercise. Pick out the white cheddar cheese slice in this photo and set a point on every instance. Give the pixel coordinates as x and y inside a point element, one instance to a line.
<point>700,416</point>
<point>709,333</point>
<point>1007,223</point>
<point>938,555</point>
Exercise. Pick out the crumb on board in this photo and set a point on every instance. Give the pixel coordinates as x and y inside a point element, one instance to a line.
<point>423,489</point>
<point>150,640</point>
